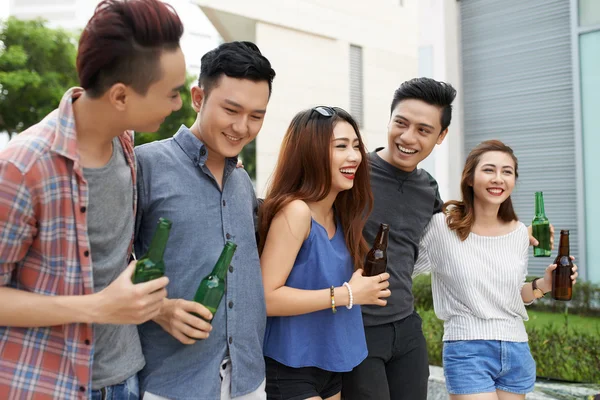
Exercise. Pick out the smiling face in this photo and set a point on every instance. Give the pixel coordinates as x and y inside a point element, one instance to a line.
<point>345,156</point>
<point>494,178</point>
<point>231,115</point>
<point>413,131</point>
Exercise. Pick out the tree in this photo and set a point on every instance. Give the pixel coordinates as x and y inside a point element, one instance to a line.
<point>37,65</point>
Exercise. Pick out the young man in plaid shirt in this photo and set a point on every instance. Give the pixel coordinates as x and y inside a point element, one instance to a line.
<point>67,211</point>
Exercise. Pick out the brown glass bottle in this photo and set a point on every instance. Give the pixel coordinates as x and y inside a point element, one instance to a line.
<point>562,286</point>
<point>376,260</point>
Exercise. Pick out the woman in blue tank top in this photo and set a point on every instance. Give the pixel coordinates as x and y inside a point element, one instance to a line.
<point>311,252</point>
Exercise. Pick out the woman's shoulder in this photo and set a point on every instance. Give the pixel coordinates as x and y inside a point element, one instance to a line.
<point>297,216</point>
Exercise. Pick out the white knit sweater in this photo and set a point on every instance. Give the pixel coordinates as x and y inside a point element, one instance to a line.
<point>476,283</point>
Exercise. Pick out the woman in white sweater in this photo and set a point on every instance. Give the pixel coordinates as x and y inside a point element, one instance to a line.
<point>477,252</point>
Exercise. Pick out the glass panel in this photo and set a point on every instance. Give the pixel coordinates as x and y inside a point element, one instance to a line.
<point>589,12</point>
<point>589,47</point>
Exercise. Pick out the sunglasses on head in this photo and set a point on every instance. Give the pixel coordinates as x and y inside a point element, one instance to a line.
<point>327,111</point>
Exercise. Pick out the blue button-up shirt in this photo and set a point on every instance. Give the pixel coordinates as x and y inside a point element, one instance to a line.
<point>174,183</point>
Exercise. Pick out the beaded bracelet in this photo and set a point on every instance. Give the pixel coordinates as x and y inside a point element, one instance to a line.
<point>351,302</point>
<point>333,310</point>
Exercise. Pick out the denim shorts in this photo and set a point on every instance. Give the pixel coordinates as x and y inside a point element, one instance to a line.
<point>482,366</point>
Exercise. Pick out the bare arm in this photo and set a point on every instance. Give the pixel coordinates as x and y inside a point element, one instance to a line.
<point>288,230</point>
<point>121,302</point>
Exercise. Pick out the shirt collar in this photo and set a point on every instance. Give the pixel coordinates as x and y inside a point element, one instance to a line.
<point>65,136</point>
<point>194,148</point>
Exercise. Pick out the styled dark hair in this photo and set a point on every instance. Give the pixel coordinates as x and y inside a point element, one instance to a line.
<point>460,215</point>
<point>303,172</point>
<point>235,60</point>
<point>122,43</point>
<point>430,91</point>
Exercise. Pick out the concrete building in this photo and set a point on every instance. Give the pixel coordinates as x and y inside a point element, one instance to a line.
<point>351,54</point>
<point>527,74</point>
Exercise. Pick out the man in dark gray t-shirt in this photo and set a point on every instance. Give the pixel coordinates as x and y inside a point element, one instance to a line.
<point>405,198</point>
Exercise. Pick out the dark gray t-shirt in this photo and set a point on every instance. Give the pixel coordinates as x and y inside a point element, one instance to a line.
<point>406,201</point>
<point>117,348</point>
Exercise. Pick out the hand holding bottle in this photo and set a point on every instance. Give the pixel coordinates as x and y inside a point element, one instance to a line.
<point>185,320</point>
<point>123,302</point>
<point>370,289</point>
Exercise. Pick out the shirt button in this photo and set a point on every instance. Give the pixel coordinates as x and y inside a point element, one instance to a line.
<point>203,151</point>
<point>223,203</point>
<point>87,342</point>
<point>231,268</point>
<point>83,209</point>
<point>86,253</point>
<point>228,236</point>
<point>82,388</point>
<point>230,340</point>
<point>231,304</point>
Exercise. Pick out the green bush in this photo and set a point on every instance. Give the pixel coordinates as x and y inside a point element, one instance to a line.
<point>422,292</point>
<point>565,353</point>
<point>560,352</point>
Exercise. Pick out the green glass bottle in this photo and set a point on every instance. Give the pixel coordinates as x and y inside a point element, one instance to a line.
<point>152,266</point>
<point>541,228</point>
<point>212,288</point>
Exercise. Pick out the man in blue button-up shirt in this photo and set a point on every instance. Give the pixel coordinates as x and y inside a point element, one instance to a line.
<point>192,180</point>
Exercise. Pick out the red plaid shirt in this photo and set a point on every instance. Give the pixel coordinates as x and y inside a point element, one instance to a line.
<point>44,249</point>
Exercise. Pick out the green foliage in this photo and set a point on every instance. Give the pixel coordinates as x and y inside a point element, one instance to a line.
<point>37,65</point>
<point>184,116</point>
<point>433,329</point>
<point>422,292</point>
<point>564,353</point>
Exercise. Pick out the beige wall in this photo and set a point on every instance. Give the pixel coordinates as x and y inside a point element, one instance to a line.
<point>308,43</point>
<point>439,30</point>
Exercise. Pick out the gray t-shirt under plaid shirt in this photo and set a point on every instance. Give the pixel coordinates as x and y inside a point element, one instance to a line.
<point>117,348</point>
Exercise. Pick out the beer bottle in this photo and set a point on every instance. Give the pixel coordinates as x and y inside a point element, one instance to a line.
<point>152,266</point>
<point>212,287</point>
<point>541,228</point>
<point>376,260</point>
<point>562,285</point>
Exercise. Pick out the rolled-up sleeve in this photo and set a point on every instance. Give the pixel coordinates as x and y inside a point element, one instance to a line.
<point>17,222</point>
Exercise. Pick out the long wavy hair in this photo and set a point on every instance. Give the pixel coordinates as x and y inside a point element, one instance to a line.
<point>303,172</point>
<point>460,215</point>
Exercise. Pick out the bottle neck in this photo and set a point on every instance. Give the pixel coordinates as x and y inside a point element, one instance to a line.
<point>158,244</point>
<point>564,249</point>
<point>381,240</point>
<point>220,269</point>
<point>539,205</point>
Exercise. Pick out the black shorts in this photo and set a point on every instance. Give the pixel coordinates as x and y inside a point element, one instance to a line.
<point>287,383</point>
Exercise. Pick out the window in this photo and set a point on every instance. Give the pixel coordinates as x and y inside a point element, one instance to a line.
<point>356,84</point>
<point>589,12</point>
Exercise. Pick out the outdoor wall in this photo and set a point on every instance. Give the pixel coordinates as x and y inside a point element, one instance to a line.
<point>308,44</point>
<point>439,59</point>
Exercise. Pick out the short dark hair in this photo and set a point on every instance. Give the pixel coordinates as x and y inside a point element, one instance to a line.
<point>122,43</point>
<point>430,91</point>
<point>235,60</point>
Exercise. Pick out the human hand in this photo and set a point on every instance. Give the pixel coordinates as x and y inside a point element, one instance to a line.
<point>370,289</point>
<point>185,320</point>
<point>123,302</point>
<point>534,242</point>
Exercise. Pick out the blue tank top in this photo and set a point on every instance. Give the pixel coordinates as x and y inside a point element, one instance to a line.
<point>322,339</point>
